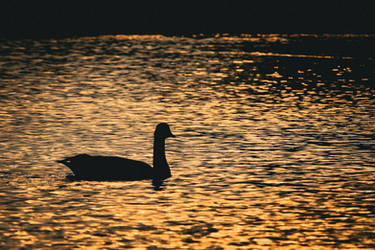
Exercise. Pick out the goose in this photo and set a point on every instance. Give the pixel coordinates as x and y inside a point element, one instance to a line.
<point>87,167</point>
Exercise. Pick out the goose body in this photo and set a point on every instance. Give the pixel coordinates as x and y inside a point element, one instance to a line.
<point>87,167</point>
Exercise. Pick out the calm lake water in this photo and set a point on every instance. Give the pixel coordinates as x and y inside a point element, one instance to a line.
<point>274,147</point>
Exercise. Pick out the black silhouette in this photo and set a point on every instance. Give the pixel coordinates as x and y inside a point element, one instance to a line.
<point>86,167</point>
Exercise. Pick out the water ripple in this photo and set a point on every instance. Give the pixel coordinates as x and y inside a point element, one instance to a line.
<point>274,143</point>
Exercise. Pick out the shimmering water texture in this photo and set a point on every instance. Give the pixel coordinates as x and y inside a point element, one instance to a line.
<point>274,142</point>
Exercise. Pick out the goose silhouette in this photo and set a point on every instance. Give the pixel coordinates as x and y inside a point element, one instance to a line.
<point>87,167</point>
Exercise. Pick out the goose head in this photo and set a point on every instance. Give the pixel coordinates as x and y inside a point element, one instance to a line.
<point>163,131</point>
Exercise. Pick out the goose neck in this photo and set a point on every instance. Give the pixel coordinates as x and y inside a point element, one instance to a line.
<point>159,151</point>
<point>161,167</point>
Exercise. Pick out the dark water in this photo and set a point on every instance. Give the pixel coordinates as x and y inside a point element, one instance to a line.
<point>274,147</point>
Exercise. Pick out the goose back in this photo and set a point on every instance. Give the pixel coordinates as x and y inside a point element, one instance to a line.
<point>89,167</point>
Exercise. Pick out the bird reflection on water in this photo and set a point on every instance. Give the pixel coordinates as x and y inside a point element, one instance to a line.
<point>101,168</point>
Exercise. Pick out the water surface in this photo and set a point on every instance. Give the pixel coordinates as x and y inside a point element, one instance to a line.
<point>274,147</point>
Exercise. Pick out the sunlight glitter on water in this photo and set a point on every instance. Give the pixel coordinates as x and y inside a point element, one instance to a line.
<point>274,143</point>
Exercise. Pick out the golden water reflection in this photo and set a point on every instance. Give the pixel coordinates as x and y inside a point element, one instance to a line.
<point>272,151</point>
